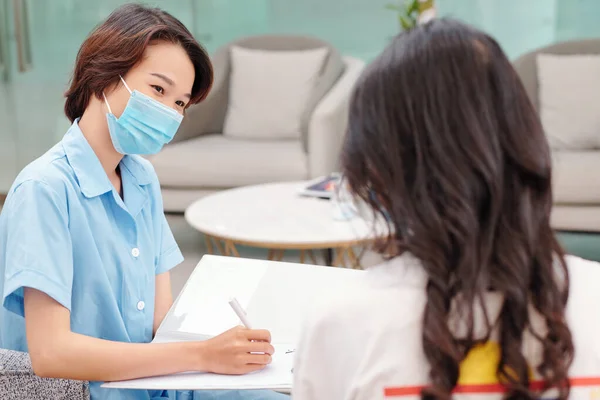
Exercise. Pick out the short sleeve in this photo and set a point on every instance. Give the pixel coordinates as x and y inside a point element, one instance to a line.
<point>170,255</point>
<point>38,246</point>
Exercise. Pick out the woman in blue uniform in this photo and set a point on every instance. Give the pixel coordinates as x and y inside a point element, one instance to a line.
<point>85,250</point>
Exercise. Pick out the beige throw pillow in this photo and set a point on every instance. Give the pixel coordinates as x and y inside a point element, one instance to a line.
<point>569,96</point>
<point>270,91</point>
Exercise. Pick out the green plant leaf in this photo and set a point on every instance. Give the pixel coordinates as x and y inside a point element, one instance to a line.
<point>407,12</point>
<point>406,23</point>
<point>414,6</point>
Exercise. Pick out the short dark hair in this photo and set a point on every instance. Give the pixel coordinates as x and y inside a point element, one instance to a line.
<point>118,44</point>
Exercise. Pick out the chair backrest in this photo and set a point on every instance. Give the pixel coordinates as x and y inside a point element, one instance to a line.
<point>526,65</point>
<point>331,71</point>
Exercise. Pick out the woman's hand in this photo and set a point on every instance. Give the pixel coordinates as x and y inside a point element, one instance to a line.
<point>237,351</point>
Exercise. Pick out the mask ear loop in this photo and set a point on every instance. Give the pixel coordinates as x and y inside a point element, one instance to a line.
<point>106,101</point>
<point>125,83</point>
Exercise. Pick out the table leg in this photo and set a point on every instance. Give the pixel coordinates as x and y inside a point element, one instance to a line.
<point>279,256</point>
<point>234,249</point>
<point>354,260</point>
<point>311,254</point>
<point>328,256</point>
<point>209,245</point>
<point>340,260</point>
<point>302,256</point>
<point>271,255</point>
<point>220,247</point>
<point>225,248</point>
<point>230,249</point>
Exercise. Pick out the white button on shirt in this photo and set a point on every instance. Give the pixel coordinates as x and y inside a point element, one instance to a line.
<point>51,195</point>
<point>141,305</point>
<point>135,252</point>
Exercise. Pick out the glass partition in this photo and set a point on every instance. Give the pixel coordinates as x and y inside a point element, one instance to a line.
<point>39,40</point>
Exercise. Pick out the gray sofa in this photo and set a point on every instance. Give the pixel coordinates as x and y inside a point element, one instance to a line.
<point>202,160</point>
<point>18,382</point>
<point>576,175</point>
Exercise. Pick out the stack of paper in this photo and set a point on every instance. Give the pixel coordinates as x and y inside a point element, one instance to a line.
<point>276,376</point>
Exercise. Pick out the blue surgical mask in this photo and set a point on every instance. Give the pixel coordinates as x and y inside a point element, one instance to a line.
<point>145,125</point>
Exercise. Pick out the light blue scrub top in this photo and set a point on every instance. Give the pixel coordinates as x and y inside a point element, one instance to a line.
<point>65,231</point>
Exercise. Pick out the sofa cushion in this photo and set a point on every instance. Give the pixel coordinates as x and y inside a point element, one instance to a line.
<point>270,92</point>
<point>576,177</point>
<point>217,161</point>
<point>569,98</point>
<point>575,218</point>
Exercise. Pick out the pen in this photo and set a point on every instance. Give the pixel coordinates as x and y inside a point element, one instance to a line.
<point>237,308</point>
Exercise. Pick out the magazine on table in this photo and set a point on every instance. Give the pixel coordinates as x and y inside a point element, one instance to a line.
<point>322,187</point>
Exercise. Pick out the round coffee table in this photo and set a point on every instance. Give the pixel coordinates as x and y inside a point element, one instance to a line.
<point>275,217</point>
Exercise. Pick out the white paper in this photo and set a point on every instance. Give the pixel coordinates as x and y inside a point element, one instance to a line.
<point>277,376</point>
<point>203,306</point>
<point>276,297</point>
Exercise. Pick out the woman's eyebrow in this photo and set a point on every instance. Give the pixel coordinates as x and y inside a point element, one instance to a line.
<point>169,81</point>
<point>163,77</point>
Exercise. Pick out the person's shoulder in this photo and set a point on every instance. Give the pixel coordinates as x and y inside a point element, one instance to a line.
<point>584,276</point>
<point>577,264</point>
<point>43,187</point>
<point>583,301</point>
<point>584,295</point>
<point>51,171</point>
<point>373,295</point>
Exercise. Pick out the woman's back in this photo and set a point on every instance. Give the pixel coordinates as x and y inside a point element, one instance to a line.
<point>445,144</point>
<point>367,344</point>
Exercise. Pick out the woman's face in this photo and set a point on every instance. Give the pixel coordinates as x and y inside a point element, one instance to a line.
<point>165,73</point>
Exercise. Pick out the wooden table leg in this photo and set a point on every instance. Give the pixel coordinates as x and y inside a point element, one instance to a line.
<point>271,255</point>
<point>311,254</point>
<point>225,248</point>
<point>220,247</point>
<point>230,249</point>
<point>340,257</point>
<point>302,256</point>
<point>280,254</point>
<point>354,260</point>
<point>209,245</point>
<point>328,256</point>
<point>234,249</point>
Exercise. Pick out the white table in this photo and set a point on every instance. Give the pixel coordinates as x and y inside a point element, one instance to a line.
<point>275,217</point>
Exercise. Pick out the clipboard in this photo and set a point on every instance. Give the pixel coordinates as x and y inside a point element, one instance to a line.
<point>201,311</point>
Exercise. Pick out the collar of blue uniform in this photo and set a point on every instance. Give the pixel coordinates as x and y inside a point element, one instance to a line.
<point>92,178</point>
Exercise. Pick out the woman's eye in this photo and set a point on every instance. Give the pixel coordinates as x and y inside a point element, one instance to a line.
<point>180,103</point>
<point>159,89</point>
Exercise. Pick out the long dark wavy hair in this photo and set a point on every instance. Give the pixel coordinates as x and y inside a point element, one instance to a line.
<point>444,141</point>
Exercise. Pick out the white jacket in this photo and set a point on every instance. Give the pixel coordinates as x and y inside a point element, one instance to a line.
<point>366,344</point>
